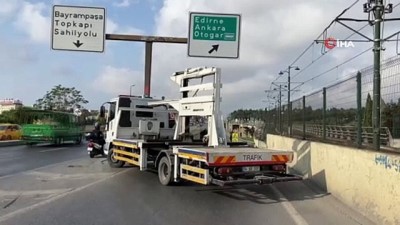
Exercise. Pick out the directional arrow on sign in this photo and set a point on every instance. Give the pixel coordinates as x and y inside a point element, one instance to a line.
<point>77,43</point>
<point>214,48</point>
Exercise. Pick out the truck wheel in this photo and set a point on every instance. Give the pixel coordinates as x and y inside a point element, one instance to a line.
<point>113,162</point>
<point>165,171</point>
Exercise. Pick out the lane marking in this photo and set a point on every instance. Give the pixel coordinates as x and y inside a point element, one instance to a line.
<point>4,193</point>
<point>45,202</point>
<point>54,176</point>
<point>297,218</point>
<point>53,149</point>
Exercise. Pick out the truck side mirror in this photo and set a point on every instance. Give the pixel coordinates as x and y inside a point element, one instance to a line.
<point>102,111</point>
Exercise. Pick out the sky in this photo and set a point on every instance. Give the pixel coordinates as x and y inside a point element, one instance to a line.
<point>273,35</point>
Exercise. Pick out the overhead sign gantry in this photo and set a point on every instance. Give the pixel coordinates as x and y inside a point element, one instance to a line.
<point>81,28</point>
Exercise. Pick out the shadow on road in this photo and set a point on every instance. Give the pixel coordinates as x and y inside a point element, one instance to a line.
<point>266,194</point>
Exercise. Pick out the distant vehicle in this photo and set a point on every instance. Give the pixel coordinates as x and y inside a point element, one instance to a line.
<point>42,126</point>
<point>10,131</point>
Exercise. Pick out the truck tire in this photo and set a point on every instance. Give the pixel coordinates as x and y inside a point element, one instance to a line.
<point>165,169</point>
<point>113,162</point>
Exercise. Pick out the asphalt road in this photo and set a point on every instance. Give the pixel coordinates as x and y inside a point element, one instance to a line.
<point>75,189</point>
<point>15,159</point>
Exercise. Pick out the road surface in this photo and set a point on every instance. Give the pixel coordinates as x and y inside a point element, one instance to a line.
<point>14,159</point>
<point>74,189</point>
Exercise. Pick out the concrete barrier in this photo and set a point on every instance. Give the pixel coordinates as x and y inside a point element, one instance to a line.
<point>365,180</point>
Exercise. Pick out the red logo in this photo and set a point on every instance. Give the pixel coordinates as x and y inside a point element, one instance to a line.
<point>330,42</point>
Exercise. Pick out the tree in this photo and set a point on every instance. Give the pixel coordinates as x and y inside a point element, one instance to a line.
<point>367,121</point>
<point>61,99</point>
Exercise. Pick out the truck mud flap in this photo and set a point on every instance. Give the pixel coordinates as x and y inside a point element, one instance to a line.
<point>265,179</point>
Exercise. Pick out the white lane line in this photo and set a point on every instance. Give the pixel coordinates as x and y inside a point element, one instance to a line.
<point>45,202</point>
<point>4,193</point>
<point>53,149</point>
<point>297,218</point>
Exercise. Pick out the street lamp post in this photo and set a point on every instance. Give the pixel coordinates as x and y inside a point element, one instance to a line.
<point>130,89</point>
<point>280,103</point>
<point>289,104</point>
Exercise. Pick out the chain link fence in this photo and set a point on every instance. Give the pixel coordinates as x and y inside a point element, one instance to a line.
<point>343,112</point>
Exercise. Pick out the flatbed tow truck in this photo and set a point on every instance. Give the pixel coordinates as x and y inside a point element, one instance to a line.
<point>155,135</point>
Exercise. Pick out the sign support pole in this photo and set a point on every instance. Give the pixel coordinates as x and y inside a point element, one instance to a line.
<point>149,40</point>
<point>147,68</point>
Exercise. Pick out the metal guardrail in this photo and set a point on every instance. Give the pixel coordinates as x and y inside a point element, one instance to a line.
<point>345,133</point>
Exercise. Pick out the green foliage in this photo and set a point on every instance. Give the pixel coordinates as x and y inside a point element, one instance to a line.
<point>367,118</point>
<point>8,117</point>
<point>62,99</point>
<point>248,114</point>
<point>17,116</point>
<point>388,113</point>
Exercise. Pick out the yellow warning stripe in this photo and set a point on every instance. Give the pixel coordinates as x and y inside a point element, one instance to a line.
<point>122,144</point>
<point>134,155</point>
<point>131,161</point>
<point>191,156</point>
<point>193,169</point>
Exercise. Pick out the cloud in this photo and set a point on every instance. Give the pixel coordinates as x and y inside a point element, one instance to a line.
<point>123,3</point>
<point>114,28</point>
<point>117,81</point>
<point>13,54</point>
<point>8,9</point>
<point>32,21</point>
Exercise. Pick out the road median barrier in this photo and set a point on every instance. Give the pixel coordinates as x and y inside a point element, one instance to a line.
<point>367,181</point>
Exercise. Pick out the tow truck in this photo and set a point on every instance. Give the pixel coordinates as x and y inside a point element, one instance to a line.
<point>155,134</point>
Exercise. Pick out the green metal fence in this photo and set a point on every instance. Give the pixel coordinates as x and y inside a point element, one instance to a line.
<point>343,112</point>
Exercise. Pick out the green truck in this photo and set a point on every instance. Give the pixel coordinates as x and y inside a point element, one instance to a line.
<point>43,126</point>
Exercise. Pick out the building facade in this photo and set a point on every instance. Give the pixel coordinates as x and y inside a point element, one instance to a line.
<point>9,104</point>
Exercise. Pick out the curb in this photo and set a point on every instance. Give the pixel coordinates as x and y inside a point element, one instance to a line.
<point>11,143</point>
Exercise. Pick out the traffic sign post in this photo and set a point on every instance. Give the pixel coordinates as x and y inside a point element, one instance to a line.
<point>214,35</point>
<point>76,28</point>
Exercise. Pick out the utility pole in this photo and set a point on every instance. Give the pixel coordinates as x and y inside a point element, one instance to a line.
<point>378,9</point>
<point>289,105</point>
<point>280,109</point>
<point>378,12</point>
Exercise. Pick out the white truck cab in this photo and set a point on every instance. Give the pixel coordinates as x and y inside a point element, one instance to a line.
<point>131,117</point>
